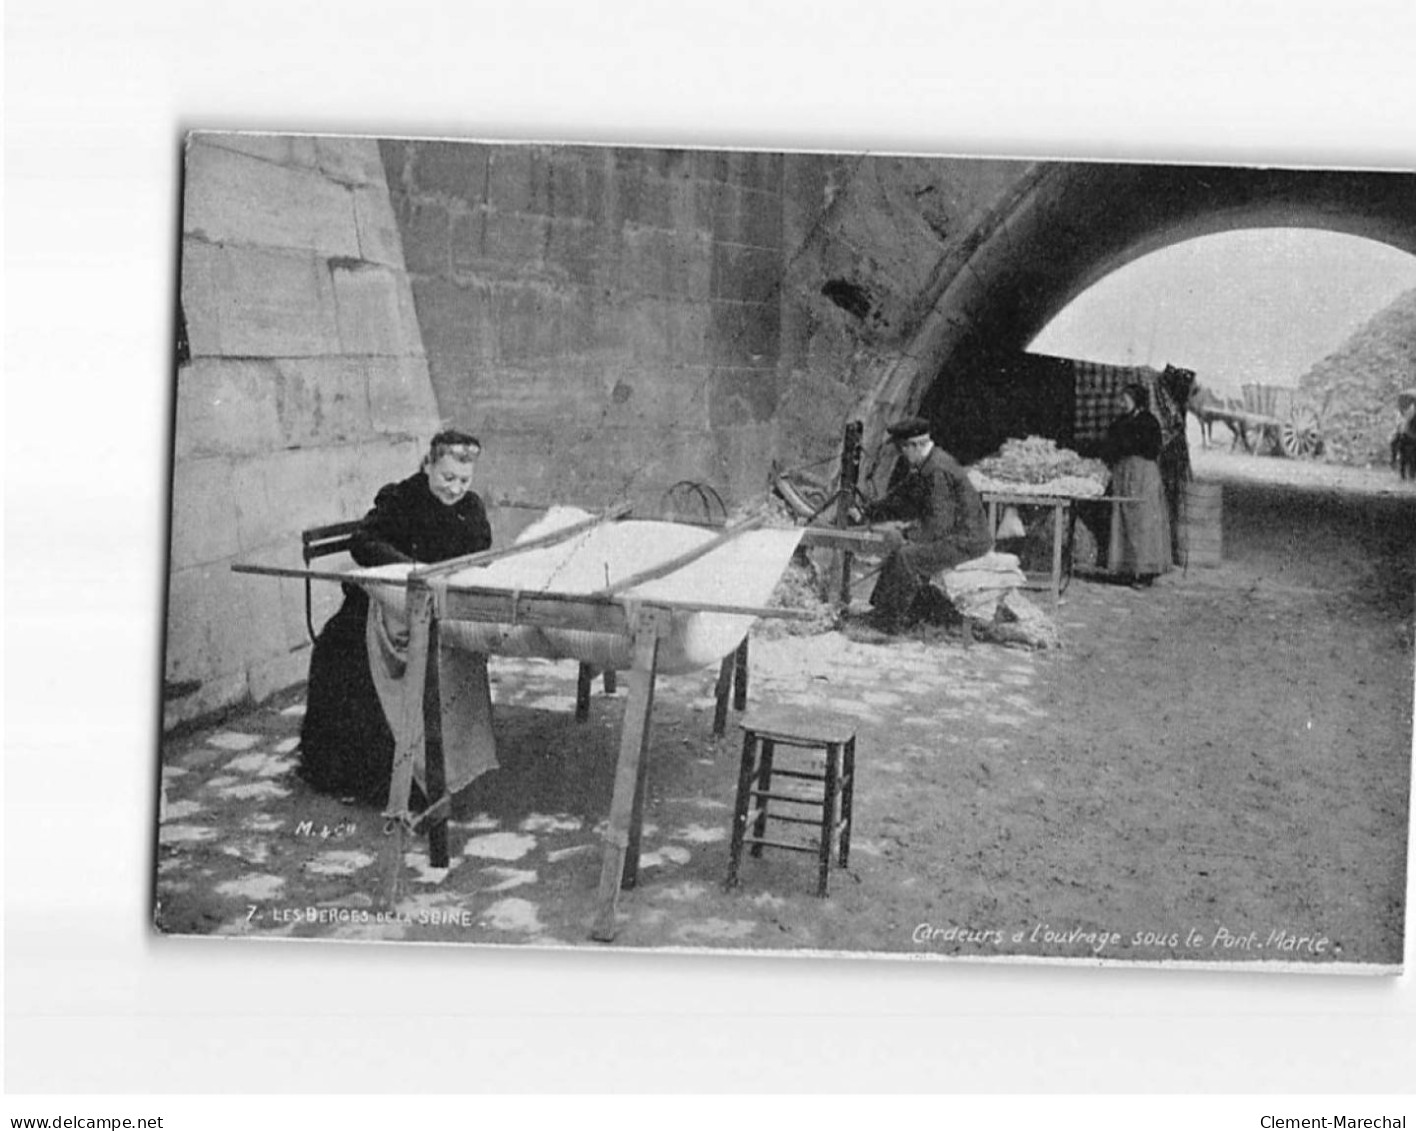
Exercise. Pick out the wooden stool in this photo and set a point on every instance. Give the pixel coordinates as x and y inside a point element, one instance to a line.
<point>762,733</point>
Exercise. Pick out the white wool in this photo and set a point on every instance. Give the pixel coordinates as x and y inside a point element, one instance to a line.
<point>557,518</point>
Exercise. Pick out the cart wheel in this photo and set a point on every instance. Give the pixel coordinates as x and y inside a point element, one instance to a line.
<point>1299,434</point>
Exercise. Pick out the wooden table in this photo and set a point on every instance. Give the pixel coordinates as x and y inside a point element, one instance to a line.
<point>1062,520</point>
<point>432,600</point>
<point>1064,515</point>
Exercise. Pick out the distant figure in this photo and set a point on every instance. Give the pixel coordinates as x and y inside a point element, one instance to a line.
<point>346,747</point>
<point>946,524</point>
<point>1403,444</point>
<point>1140,528</point>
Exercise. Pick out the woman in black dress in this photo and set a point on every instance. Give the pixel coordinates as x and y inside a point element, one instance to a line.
<point>1140,529</point>
<point>346,747</point>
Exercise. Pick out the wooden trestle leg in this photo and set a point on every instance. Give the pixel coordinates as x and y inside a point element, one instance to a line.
<point>1059,510</point>
<point>731,686</point>
<point>620,864</point>
<point>434,759</point>
<point>400,789</point>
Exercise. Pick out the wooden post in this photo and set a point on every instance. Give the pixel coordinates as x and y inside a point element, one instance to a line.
<point>740,676</point>
<point>400,789</point>
<point>627,800</point>
<point>584,677</point>
<point>845,498</point>
<point>722,691</point>
<point>1059,510</point>
<point>434,761</point>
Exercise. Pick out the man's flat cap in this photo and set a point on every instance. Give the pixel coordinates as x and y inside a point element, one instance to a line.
<point>910,428</point>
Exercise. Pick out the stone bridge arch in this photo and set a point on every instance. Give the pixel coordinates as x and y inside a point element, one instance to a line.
<point>1061,227</point>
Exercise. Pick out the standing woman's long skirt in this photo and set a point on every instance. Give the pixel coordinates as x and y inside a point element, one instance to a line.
<point>1140,531</point>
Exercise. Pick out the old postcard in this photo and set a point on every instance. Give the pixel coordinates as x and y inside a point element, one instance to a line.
<point>892,556</point>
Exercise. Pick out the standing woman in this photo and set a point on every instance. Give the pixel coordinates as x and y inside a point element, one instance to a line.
<point>346,746</point>
<point>1140,530</point>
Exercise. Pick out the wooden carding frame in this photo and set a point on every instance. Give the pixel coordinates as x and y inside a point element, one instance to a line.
<point>432,599</point>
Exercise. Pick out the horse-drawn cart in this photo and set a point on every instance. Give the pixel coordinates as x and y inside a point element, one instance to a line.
<point>1269,418</point>
<point>1284,420</point>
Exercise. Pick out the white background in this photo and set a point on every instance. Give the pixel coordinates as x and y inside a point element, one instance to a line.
<point>97,97</point>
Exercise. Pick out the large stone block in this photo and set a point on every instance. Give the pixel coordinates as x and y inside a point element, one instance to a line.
<point>211,633</point>
<point>531,323</point>
<point>379,241</point>
<point>266,630</point>
<point>556,396</point>
<point>522,466</point>
<point>746,274</point>
<point>401,397</point>
<point>640,194</point>
<point>281,149</point>
<point>566,188</point>
<point>250,302</point>
<point>644,268</point>
<point>269,676</point>
<point>761,170</point>
<point>322,400</point>
<point>459,330</point>
<point>742,396</point>
<point>426,230</point>
<point>286,492</point>
<point>744,335</point>
<point>597,178</point>
<point>214,695</point>
<point>200,297</point>
<point>226,407</point>
<point>203,512</point>
<point>369,312</point>
<point>517,241</point>
<point>231,197</point>
<point>647,321</point>
<point>761,219</point>
<point>744,459</point>
<point>453,168</point>
<point>367,467</point>
<point>659,398</point>
<point>509,178</point>
<point>688,329</point>
<point>469,237</point>
<point>539,199</point>
<point>187,629</point>
<point>630,463</point>
<point>408,315</point>
<point>689,265</point>
<point>707,204</point>
<point>571,251</point>
<point>710,164</point>
<point>350,160</point>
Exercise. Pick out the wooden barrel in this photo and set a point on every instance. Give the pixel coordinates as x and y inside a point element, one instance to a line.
<point>1201,524</point>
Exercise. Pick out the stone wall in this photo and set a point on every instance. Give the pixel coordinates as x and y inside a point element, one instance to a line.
<point>873,242</point>
<point>611,321</point>
<point>606,319</point>
<point>302,388</point>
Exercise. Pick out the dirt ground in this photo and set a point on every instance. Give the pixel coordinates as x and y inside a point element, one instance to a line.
<point>1216,769</point>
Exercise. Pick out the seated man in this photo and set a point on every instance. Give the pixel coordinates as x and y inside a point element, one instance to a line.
<point>946,524</point>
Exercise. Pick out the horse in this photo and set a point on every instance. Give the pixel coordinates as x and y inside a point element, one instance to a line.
<point>1207,406</point>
